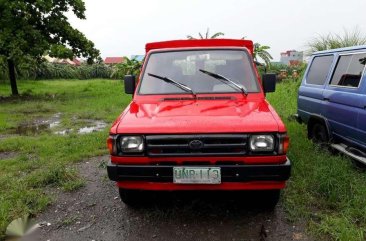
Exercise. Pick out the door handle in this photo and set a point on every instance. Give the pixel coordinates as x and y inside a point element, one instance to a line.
<point>326,99</point>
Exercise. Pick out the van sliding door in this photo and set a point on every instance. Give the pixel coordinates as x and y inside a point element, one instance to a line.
<point>342,97</point>
<point>362,113</point>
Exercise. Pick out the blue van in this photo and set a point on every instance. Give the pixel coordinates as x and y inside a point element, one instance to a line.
<point>332,100</point>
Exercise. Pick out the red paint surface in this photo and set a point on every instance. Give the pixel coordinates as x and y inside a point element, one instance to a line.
<point>151,114</point>
<point>153,186</point>
<point>143,160</point>
<point>201,43</point>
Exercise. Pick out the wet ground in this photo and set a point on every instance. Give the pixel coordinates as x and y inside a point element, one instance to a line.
<point>95,212</point>
<point>54,125</point>
<point>7,155</point>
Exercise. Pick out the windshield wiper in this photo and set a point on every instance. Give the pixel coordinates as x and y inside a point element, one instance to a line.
<point>225,80</point>
<point>173,82</point>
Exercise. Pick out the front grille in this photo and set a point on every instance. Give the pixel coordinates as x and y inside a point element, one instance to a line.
<point>196,145</point>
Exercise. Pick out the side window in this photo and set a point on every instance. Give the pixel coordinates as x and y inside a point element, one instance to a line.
<point>319,70</point>
<point>349,70</point>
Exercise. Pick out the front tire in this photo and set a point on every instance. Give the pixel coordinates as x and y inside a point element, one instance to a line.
<point>131,198</point>
<point>318,133</point>
<point>266,199</point>
<point>271,198</point>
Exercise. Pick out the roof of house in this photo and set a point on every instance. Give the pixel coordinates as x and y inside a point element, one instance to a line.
<point>74,61</point>
<point>288,52</point>
<point>113,60</point>
<point>201,43</point>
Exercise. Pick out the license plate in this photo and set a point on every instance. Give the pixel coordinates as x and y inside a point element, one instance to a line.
<point>197,175</point>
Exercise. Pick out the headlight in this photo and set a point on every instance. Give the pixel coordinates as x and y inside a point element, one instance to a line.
<point>261,143</point>
<point>131,144</point>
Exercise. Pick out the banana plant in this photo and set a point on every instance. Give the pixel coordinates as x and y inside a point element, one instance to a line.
<point>127,67</point>
<point>260,51</point>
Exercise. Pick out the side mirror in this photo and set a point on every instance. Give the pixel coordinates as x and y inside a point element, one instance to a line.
<point>130,84</point>
<point>269,82</point>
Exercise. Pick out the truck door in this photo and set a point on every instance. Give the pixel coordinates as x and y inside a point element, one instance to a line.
<point>342,96</point>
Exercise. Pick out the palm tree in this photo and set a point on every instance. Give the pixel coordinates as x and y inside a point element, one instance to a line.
<point>261,52</point>
<point>333,41</point>
<point>207,35</point>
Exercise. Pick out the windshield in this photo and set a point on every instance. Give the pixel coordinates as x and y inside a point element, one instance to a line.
<point>185,67</point>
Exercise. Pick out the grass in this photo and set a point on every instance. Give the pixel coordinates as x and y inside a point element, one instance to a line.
<point>325,191</point>
<point>45,159</point>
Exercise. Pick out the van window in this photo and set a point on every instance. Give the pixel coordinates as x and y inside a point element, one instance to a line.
<point>319,70</point>
<point>349,70</point>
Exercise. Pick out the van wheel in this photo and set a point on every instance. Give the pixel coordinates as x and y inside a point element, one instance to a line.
<point>318,133</point>
<point>131,198</point>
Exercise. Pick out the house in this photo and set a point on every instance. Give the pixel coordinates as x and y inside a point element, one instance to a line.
<point>74,61</point>
<point>292,57</point>
<point>114,60</point>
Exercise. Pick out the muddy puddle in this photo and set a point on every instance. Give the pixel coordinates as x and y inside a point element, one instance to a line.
<point>53,125</point>
<point>7,155</point>
<point>94,126</point>
<point>37,126</point>
<point>90,126</point>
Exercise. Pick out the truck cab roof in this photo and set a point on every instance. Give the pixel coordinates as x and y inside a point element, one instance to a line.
<point>200,43</point>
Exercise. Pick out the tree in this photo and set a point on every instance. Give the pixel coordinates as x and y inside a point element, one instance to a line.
<point>261,52</point>
<point>35,28</point>
<point>207,35</point>
<point>333,41</point>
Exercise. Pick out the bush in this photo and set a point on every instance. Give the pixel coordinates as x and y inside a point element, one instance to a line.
<point>64,71</point>
<point>30,69</point>
<point>285,71</point>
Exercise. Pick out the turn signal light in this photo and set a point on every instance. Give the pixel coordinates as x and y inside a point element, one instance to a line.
<point>111,144</point>
<point>284,144</point>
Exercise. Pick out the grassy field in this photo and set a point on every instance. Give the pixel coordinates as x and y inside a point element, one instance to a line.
<point>39,160</point>
<point>325,191</point>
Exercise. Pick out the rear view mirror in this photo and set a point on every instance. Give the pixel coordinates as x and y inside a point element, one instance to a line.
<point>269,82</point>
<point>130,84</point>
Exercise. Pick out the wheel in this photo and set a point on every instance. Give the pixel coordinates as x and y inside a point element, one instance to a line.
<point>271,198</point>
<point>318,133</point>
<point>131,198</point>
<point>267,199</point>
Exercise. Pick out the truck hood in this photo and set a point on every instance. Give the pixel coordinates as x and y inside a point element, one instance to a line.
<point>197,116</point>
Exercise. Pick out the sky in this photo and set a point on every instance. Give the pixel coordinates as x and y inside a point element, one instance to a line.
<point>122,28</point>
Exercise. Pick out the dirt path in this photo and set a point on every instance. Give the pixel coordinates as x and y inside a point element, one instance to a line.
<point>95,212</point>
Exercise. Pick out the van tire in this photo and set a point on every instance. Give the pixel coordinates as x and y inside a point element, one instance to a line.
<point>318,132</point>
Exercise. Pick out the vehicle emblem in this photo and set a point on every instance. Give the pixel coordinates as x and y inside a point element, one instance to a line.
<point>196,144</point>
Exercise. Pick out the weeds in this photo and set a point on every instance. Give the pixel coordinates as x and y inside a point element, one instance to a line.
<point>44,159</point>
<point>325,189</point>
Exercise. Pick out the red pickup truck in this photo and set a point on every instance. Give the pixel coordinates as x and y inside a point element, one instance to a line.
<point>199,120</point>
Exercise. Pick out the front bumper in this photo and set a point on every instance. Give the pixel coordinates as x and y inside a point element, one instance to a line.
<point>229,173</point>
